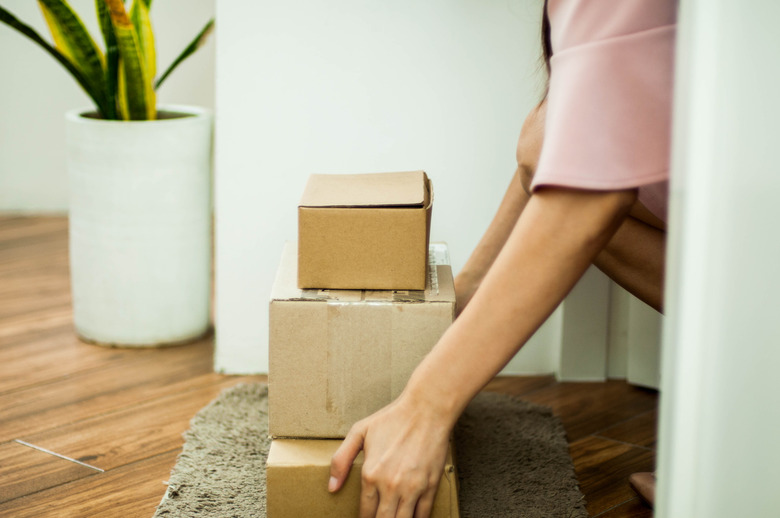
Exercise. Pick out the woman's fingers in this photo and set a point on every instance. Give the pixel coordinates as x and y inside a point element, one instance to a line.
<point>342,460</point>
<point>405,449</point>
<point>388,505</point>
<point>369,500</point>
<point>408,505</point>
<point>385,495</point>
<point>425,503</point>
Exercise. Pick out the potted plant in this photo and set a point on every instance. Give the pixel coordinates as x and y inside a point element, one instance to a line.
<point>139,180</point>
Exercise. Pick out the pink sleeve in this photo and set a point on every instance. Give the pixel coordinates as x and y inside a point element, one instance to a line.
<point>608,120</point>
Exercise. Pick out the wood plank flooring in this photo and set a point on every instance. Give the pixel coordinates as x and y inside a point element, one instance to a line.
<point>118,414</point>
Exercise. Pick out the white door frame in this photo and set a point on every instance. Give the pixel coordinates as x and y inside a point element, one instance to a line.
<point>719,433</point>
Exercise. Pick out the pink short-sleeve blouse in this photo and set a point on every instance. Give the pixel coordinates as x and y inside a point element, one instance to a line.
<point>608,122</point>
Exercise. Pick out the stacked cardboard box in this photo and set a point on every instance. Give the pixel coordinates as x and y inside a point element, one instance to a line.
<point>339,355</point>
<point>364,231</point>
<point>298,471</point>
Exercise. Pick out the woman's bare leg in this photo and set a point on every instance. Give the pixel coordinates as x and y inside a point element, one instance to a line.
<point>635,258</point>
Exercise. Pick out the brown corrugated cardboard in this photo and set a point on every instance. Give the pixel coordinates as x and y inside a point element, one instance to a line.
<point>297,473</point>
<point>364,231</point>
<point>338,356</point>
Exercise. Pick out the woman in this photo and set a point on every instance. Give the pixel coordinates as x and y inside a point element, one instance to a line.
<point>590,187</point>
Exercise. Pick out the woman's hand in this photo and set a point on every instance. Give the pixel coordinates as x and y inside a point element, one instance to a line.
<point>405,447</point>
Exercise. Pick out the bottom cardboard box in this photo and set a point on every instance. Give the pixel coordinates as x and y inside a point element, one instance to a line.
<point>297,473</point>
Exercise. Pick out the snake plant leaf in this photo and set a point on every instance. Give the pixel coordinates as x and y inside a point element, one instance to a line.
<point>135,85</point>
<point>197,43</point>
<point>112,58</point>
<point>121,94</point>
<point>139,14</point>
<point>97,95</point>
<point>73,40</point>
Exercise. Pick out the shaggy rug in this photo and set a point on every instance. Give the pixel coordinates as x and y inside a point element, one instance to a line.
<point>512,460</point>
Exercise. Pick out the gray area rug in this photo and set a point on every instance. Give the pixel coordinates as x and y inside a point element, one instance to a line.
<point>512,460</point>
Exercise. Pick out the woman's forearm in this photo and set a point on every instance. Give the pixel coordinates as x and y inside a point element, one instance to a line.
<point>488,248</point>
<point>557,237</point>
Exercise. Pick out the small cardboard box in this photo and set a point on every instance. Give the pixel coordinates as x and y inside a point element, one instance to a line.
<point>336,357</point>
<point>364,231</point>
<point>297,473</point>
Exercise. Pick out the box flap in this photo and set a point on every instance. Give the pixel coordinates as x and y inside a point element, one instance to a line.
<point>407,189</point>
<point>438,287</point>
<point>312,452</point>
<point>318,452</point>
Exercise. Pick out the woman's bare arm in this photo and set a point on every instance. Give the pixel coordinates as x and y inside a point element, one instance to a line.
<point>529,147</point>
<point>470,276</point>
<point>553,242</point>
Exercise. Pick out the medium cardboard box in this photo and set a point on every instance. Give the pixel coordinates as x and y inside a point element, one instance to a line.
<point>338,356</point>
<point>297,473</point>
<point>364,231</point>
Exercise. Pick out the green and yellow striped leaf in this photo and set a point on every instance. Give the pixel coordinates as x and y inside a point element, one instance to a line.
<point>96,95</point>
<point>197,43</point>
<point>112,58</point>
<point>121,95</point>
<point>139,14</point>
<point>73,40</point>
<point>135,85</point>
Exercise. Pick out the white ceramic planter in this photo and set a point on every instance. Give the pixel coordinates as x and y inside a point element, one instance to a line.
<point>140,227</point>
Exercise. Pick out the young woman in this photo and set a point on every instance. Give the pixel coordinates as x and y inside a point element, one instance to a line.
<point>590,187</point>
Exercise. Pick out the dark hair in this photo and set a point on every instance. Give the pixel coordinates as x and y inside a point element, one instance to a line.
<point>547,50</point>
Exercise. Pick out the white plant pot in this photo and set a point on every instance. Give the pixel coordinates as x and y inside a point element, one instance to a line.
<point>140,227</point>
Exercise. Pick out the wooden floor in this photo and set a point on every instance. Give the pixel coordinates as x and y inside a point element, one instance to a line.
<point>92,431</point>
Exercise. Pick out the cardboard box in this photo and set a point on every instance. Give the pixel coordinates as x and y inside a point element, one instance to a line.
<point>338,356</point>
<point>364,231</point>
<point>297,473</point>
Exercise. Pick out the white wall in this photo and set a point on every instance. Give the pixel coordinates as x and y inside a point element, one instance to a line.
<point>359,86</point>
<point>719,448</point>
<point>35,92</point>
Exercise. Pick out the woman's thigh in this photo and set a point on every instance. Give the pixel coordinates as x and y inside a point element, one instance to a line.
<point>635,256</point>
<point>643,214</point>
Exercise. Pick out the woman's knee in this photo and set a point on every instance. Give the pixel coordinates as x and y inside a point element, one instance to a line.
<point>529,145</point>
<point>526,177</point>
